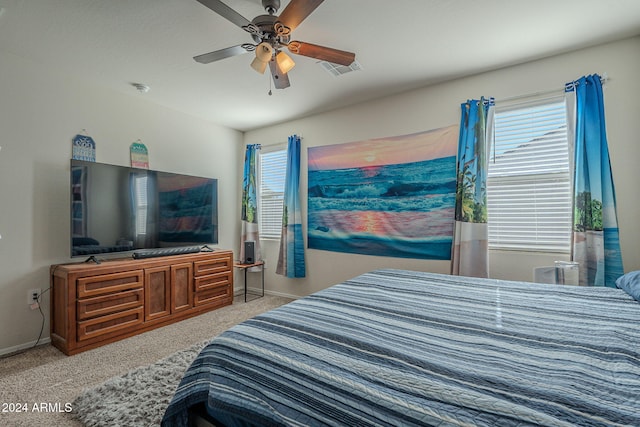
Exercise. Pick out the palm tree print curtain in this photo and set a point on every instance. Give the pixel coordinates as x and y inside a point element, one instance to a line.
<point>470,247</point>
<point>250,202</point>
<point>291,258</point>
<point>596,244</point>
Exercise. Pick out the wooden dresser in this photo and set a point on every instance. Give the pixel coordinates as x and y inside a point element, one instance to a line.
<point>95,304</point>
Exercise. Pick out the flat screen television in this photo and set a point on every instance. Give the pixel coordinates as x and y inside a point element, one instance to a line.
<point>121,209</point>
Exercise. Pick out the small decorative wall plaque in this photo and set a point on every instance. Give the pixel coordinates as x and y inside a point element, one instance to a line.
<point>84,148</point>
<point>139,155</point>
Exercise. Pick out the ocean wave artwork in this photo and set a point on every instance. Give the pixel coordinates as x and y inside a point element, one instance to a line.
<point>387,197</point>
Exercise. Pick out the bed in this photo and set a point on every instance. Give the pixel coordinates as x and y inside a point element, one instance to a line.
<point>402,348</point>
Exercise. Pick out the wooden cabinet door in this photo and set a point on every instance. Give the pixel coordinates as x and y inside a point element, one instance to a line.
<point>157,292</point>
<point>181,287</point>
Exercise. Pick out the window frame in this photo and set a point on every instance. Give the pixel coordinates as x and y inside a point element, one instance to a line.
<point>550,230</point>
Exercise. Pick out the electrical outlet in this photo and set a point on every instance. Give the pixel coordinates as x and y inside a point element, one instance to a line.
<point>32,296</point>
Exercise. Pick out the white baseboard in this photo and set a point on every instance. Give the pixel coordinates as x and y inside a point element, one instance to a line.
<point>21,347</point>
<point>254,291</point>
<point>279,294</point>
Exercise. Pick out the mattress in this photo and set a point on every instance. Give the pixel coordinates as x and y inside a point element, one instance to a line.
<point>405,348</point>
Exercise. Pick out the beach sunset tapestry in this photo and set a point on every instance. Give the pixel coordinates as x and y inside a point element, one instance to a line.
<point>388,197</point>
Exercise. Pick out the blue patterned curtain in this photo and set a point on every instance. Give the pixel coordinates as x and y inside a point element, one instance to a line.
<point>250,202</point>
<point>470,246</point>
<point>596,244</point>
<point>291,259</point>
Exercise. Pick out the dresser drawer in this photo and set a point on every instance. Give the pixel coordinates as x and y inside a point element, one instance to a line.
<point>212,266</point>
<point>103,325</point>
<point>214,295</point>
<point>107,304</point>
<point>109,283</point>
<point>212,281</point>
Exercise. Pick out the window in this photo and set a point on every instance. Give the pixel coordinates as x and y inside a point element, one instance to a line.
<point>273,165</point>
<point>528,183</point>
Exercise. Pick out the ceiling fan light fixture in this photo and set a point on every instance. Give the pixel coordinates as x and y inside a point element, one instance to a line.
<point>258,65</point>
<point>264,51</point>
<point>285,63</point>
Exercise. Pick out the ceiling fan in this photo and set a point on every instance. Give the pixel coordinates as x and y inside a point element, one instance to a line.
<point>272,33</point>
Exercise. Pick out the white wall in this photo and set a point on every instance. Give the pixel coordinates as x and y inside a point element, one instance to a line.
<point>40,112</point>
<point>437,106</point>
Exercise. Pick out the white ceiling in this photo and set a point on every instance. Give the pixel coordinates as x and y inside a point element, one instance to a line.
<point>401,44</point>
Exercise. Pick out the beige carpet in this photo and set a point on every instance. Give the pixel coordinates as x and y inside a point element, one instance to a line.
<point>44,375</point>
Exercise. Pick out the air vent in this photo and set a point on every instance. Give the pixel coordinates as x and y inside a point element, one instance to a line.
<point>337,70</point>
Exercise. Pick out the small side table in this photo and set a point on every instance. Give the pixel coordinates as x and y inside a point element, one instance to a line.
<point>245,267</point>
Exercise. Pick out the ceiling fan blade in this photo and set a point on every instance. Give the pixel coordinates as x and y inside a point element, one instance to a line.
<point>226,12</point>
<point>322,53</point>
<point>297,11</point>
<point>280,80</point>
<point>217,55</point>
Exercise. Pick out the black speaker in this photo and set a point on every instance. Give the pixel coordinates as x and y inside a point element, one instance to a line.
<point>249,255</point>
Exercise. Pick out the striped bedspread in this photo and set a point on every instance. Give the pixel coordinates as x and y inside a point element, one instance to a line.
<point>403,348</point>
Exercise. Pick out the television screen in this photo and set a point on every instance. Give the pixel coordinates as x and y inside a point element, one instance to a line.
<point>119,209</point>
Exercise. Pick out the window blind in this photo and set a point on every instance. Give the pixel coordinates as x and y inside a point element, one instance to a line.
<point>528,183</point>
<point>273,166</point>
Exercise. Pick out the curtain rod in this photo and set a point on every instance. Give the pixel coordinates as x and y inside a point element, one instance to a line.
<point>559,91</point>
<point>276,144</point>
<point>272,146</point>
